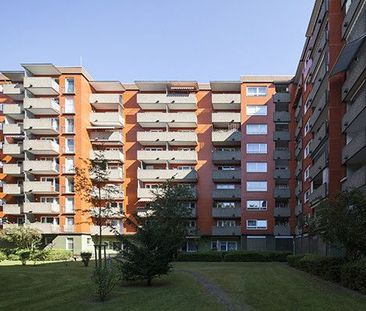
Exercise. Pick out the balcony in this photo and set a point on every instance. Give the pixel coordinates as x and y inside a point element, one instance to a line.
<point>319,82</point>
<point>318,193</point>
<point>226,176</point>
<point>319,165</point>
<point>349,20</point>
<point>218,194</point>
<point>107,230</point>
<point>41,126</point>
<point>170,156</point>
<point>14,91</point>
<point>282,193</point>
<point>38,167</point>
<point>41,86</point>
<point>106,101</point>
<point>12,189</point>
<point>356,179</point>
<point>318,117</point>
<point>226,157</point>
<point>281,116</point>
<point>283,229</point>
<point>12,169</point>
<point>173,120</point>
<point>14,111</point>
<point>355,116</point>
<point>226,212</point>
<point>226,231</point>
<point>172,138</point>
<point>14,150</point>
<point>319,137</point>
<point>354,74</point>
<point>281,97</point>
<point>298,209</point>
<point>162,101</point>
<point>221,119</point>
<point>12,129</point>
<point>162,175</point>
<point>41,187</point>
<point>45,228</point>
<point>298,128</point>
<point>226,138</point>
<point>107,119</point>
<point>298,189</point>
<point>117,194</point>
<point>281,135</point>
<point>109,136</point>
<point>109,155</point>
<point>281,212</point>
<point>12,209</point>
<point>146,194</point>
<point>42,106</point>
<point>298,148</point>
<point>353,152</point>
<point>281,173</point>
<point>298,168</point>
<point>228,101</point>
<point>41,208</point>
<point>280,154</point>
<point>41,147</point>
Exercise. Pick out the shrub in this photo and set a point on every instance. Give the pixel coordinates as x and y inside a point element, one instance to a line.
<point>278,256</point>
<point>24,255</point>
<point>248,256</point>
<point>2,256</point>
<point>85,257</point>
<point>13,257</point>
<point>353,275</point>
<point>105,279</point>
<point>57,254</point>
<point>293,260</point>
<point>207,256</point>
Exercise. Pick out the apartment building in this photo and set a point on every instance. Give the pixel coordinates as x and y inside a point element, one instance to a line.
<point>259,153</point>
<point>328,103</point>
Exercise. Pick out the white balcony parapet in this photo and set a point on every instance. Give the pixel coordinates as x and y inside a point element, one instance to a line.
<point>41,167</point>
<point>41,85</point>
<point>42,106</point>
<point>161,119</point>
<point>161,175</point>
<point>172,138</point>
<point>41,208</point>
<point>107,119</point>
<point>171,156</point>
<point>109,155</point>
<point>163,100</point>
<point>41,126</point>
<point>37,146</point>
<point>41,187</point>
<point>12,129</point>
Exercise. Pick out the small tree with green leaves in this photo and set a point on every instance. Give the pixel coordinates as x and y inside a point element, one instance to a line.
<point>25,241</point>
<point>342,220</point>
<point>159,234</point>
<point>91,183</point>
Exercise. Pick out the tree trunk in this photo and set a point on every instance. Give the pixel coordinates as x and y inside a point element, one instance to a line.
<point>149,280</point>
<point>100,225</point>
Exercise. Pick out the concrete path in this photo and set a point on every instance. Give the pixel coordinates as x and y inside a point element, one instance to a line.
<point>218,293</point>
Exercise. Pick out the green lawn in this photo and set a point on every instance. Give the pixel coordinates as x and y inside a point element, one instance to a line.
<point>263,286</point>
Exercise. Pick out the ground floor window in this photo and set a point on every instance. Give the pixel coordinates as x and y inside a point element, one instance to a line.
<point>224,246</point>
<point>190,246</point>
<point>70,244</point>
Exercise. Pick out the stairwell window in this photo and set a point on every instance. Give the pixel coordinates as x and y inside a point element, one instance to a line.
<point>256,129</point>
<point>256,167</point>
<point>69,145</point>
<point>256,224</point>
<point>307,173</point>
<point>256,148</point>
<point>69,205</point>
<point>69,85</point>
<point>69,105</point>
<point>256,186</point>
<point>69,125</point>
<point>307,150</point>
<point>225,186</point>
<point>260,205</point>
<point>255,110</point>
<point>256,91</point>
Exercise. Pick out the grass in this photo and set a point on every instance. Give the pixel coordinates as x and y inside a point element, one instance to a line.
<point>264,286</point>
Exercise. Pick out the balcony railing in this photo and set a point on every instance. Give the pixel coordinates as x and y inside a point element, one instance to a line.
<point>226,212</point>
<point>318,193</point>
<point>41,208</point>
<point>226,175</point>
<point>230,138</point>
<point>283,229</point>
<point>173,138</point>
<point>226,231</point>
<point>41,86</point>
<point>355,180</point>
<point>42,106</point>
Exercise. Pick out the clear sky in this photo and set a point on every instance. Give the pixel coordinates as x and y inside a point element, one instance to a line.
<point>131,40</point>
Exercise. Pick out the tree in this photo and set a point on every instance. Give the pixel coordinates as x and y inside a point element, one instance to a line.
<point>25,241</point>
<point>91,183</point>
<point>159,234</point>
<point>342,220</point>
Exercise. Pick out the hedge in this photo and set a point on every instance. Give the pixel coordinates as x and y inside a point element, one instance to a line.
<point>353,275</point>
<point>234,256</point>
<point>2,256</point>
<point>328,268</point>
<point>57,254</point>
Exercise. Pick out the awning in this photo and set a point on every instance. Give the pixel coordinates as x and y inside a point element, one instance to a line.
<point>347,54</point>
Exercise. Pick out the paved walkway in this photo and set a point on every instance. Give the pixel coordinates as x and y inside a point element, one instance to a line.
<point>218,293</point>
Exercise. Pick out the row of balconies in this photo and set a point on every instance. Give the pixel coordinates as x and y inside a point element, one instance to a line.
<point>164,156</point>
<point>354,118</point>
<point>155,175</point>
<point>349,19</point>
<point>355,179</point>
<point>353,152</point>
<point>318,138</point>
<point>36,187</point>
<point>33,207</point>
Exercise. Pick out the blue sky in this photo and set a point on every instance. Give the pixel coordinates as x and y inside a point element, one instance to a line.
<point>131,40</point>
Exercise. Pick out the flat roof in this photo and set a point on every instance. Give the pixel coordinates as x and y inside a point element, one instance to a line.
<point>15,76</point>
<point>225,86</point>
<point>162,86</point>
<point>107,86</point>
<point>75,70</point>
<point>42,69</point>
<point>266,79</point>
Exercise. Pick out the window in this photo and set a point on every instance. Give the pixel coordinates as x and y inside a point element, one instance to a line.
<point>185,167</point>
<point>256,167</point>
<point>224,246</point>
<point>69,205</point>
<point>225,205</point>
<point>152,186</point>
<point>153,149</point>
<point>256,224</point>
<point>225,223</point>
<point>257,205</point>
<point>53,181</point>
<point>256,91</point>
<point>69,185</point>
<point>307,150</point>
<point>51,200</point>
<point>69,221</point>
<point>307,106</point>
<point>70,244</point>
<point>50,220</point>
<point>69,85</point>
<point>307,173</point>
<point>256,129</point>
<point>254,110</point>
<point>225,186</point>
<point>54,124</point>
<point>69,105</point>
<point>190,246</point>
<point>307,127</point>
<point>69,125</point>
<point>256,148</point>
<point>226,168</point>
<point>69,145</point>
<point>256,186</point>
<point>348,4</point>
<point>69,165</point>
<point>306,195</point>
